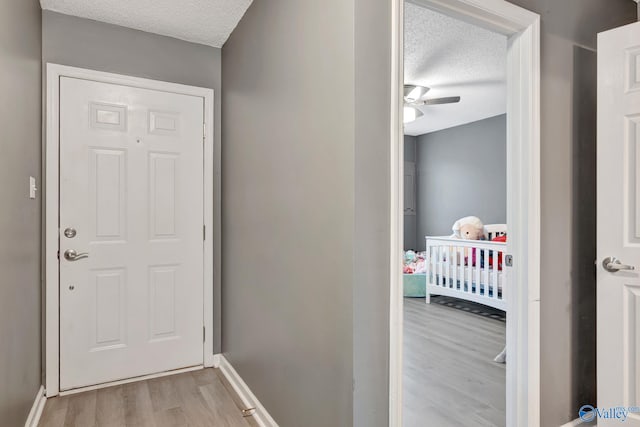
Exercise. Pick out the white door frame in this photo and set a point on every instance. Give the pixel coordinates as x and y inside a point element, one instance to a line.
<point>522,27</point>
<point>51,233</point>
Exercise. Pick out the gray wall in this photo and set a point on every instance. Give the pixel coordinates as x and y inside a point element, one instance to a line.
<point>410,153</point>
<point>288,208</point>
<point>410,221</point>
<point>567,123</point>
<point>372,214</point>
<point>462,171</point>
<point>84,43</point>
<point>80,42</point>
<point>20,113</point>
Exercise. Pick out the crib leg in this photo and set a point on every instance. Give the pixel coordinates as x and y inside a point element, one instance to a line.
<point>428,297</point>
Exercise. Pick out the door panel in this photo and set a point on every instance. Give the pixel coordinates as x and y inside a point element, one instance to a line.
<point>618,295</point>
<point>131,185</point>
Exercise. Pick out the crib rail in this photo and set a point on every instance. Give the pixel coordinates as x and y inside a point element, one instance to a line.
<point>495,230</point>
<point>466,269</point>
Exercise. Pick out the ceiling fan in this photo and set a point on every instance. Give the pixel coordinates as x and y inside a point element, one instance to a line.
<point>414,96</point>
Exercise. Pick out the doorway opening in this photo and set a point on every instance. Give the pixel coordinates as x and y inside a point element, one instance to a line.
<point>455,284</point>
<point>474,275</point>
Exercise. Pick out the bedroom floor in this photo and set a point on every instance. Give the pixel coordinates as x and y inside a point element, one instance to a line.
<point>197,398</point>
<point>450,378</point>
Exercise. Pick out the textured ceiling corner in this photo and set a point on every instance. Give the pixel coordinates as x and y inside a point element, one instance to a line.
<point>453,58</point>
<point>208,22</point>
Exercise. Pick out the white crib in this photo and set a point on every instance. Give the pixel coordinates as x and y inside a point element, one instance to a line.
<point>468,269</point>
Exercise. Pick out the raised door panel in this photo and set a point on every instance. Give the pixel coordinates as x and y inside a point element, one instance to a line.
<point>107,187</point>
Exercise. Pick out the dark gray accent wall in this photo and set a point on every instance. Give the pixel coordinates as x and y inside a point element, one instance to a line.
<point>566,106</point>
<point>410,221</point>
<point>20,291</point>
<point>461,171</point>
<point>583,246</point>
<point>288,208</point>
<point>410,153</point>
<point>84,43</point>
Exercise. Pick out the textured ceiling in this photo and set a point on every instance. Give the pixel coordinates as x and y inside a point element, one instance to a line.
<point>207,22</point>
<point>453,58</point>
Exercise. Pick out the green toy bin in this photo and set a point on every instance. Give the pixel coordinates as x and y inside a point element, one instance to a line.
<point>415,285</point>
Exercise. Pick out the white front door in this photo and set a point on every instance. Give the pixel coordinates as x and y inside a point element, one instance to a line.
<point>618,295</point>
<point>131,199</point>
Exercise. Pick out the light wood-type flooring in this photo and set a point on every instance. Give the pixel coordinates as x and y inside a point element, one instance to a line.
<point>197,398</point>
<point>450,378</point>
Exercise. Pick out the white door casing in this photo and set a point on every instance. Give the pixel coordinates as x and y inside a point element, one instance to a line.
<point>131,185</point>
<point>618,294</point>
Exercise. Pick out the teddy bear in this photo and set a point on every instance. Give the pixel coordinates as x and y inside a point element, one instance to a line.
<point>468,228</point>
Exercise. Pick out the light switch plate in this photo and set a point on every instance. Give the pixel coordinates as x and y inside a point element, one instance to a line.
<point>32,187</point>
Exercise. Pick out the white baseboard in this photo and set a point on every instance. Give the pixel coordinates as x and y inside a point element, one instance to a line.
<point>216,360</point>
<point>36,410</point>
<point>261,416</point>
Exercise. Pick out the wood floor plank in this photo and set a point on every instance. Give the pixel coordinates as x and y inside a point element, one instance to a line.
<point>250,420</point>
<point>81,410</point>
<point>138,409</point>
<point>450,378</point>
<point>222,404</point>
<point>204,376</point>
<point>55,412</point>
<point>194,399</point>
<point>173,417</point>
<point>163,393</point>
<point>229,388</point>
<point>110,409</point>
<point>193,404</point>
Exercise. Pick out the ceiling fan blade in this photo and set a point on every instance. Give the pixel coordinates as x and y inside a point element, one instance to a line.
<point>436,101</point>
<point>413,93</point>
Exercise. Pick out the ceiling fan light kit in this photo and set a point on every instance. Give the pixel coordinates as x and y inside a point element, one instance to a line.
<point>410,114</point>
<point>414,96</point>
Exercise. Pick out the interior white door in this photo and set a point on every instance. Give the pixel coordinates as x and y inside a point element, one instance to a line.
<point>618,303</point>
<point>131,190</point>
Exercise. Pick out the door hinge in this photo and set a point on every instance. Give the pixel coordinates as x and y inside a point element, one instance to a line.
<point>204,131</point>
<point>204,232</point>
<point>58,255</point>
<point>508,260</point>
<point>204,334</point>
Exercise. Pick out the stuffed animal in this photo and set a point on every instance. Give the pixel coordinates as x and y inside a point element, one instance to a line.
<point>409,256</point>
<point>468,228</point>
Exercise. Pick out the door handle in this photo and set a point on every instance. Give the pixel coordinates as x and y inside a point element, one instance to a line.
<point>613,265</point>
<point>72,255</point>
